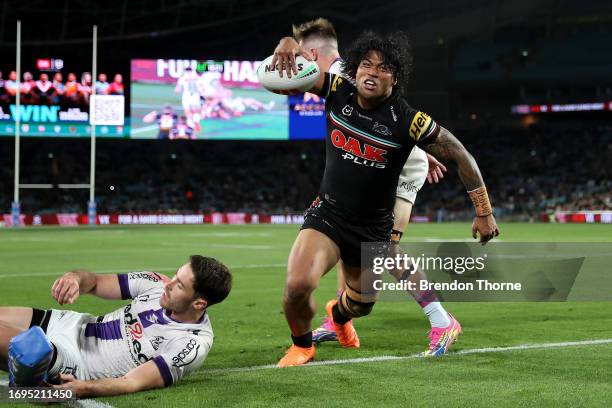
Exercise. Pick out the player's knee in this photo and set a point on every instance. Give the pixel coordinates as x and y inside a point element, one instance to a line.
<point>352,308</point>
<point>298,288</point>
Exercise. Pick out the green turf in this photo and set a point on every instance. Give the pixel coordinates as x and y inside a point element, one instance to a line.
<point>252,125</point>
<point>250,328</point>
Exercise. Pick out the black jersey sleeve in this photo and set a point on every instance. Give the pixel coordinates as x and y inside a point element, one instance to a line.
<point>422,128</point>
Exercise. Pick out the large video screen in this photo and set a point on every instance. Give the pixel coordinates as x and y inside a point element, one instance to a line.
<point>55,100</point>
<point>216,100</point>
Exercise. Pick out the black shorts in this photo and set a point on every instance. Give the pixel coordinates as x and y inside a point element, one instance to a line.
<point>347,234</point>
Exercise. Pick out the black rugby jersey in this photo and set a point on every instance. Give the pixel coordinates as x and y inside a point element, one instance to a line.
<point>366,149</point>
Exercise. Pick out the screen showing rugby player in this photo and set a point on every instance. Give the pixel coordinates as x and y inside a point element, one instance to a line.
<point>198,99</point>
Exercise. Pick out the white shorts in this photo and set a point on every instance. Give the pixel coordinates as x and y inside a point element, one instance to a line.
<point>64,330</point>
<point>413,175</point>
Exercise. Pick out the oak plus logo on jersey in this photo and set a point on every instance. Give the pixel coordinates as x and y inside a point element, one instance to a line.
<point>187,355</point>
<point>359,152</point>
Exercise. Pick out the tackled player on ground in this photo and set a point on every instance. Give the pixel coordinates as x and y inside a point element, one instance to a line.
<point>163,334</point>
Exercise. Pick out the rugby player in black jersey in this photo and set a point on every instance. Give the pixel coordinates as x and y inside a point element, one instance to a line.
<point>319,37</point>
<point>357,193</point>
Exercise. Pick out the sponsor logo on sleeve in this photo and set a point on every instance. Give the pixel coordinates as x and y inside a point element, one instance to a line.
<point>187,355</point>
<point>419,126</point>
<point>337,80</point>
<point>409,186</point>
<point>151,276</point>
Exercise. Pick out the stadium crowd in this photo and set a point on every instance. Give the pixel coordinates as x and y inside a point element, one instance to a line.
<point>528,171</point>
<point>68,93</point>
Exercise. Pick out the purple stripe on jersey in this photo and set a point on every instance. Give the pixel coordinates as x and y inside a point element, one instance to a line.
<point>151,317</point>
<point>124,286</point>
<point>106,331</point>
<point>164,370</point>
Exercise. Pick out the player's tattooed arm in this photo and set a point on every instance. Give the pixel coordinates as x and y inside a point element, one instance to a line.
<point>447,147</point>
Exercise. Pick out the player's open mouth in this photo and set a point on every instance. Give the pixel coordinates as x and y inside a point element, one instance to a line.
<point>369,84</point>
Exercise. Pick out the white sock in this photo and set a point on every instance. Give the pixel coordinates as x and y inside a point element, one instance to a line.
<point>437,315</point>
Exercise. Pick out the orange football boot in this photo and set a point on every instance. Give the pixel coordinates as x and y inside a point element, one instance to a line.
<point>347,335</point>
<point>296,356</point>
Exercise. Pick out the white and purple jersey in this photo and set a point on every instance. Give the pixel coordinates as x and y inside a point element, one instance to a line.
<point>113,344</point>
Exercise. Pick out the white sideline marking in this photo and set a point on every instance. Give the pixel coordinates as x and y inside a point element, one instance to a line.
<point>90,403</point>
<point>84,403</point>
<point>418,356</point>
<point>163,269</point>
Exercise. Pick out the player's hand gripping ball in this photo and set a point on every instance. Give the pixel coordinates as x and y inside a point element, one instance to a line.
<point>307,75</point>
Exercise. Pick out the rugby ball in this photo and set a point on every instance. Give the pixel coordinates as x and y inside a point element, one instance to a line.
<point>308,73</point>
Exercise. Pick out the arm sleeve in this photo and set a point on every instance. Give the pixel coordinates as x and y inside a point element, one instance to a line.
<point>182,356</point>
<point>137,283</point>
<point>423,129</point>
<point>413,175</point>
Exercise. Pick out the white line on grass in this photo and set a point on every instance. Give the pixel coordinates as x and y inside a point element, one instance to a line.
<point>89,403</point>
<point>375,359</point>
<point>83,403</point>
<point>162,269</point>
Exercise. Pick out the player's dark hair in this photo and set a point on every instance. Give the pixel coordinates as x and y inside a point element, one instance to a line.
<point>211,279</point>
<point>320,28</point>
<point>395,49</point>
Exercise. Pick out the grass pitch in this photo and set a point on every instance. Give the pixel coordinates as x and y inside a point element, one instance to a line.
<point>250,329</point>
